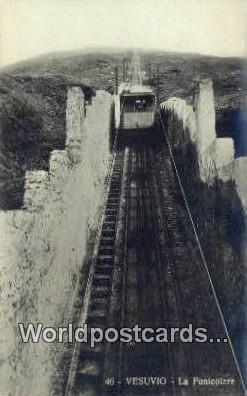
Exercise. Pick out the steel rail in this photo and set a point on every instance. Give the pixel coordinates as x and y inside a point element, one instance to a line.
<point>202,253</point>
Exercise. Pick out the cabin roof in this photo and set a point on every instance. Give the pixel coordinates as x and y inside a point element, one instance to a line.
<point>129,89</point>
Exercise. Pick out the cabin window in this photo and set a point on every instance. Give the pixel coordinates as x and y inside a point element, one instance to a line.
<point>134,104</point>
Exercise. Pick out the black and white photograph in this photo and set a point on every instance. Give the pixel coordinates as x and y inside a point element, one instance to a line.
<point>123,198</point>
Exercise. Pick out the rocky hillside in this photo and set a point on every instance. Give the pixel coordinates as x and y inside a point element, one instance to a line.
<point>33,94</point>
<point>32,121</point>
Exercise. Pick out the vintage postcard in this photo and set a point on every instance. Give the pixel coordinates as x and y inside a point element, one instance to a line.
<point>123,197</point>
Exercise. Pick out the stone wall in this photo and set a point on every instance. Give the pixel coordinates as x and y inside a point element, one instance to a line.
<point>215,186</point>
<point>214,154</point>
<point>216,157</point>
<point>43,246</point>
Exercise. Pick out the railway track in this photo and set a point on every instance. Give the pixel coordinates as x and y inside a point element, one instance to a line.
<point>146,270</point>
<point>87,365</point>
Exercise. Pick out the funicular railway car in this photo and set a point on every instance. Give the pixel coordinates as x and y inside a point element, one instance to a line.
<point>137,107</point>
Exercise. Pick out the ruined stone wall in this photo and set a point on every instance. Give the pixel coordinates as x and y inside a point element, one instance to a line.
<point>44,244</point>
<point>216,157</point>
<point>214,154</point>
<point>215,187</point>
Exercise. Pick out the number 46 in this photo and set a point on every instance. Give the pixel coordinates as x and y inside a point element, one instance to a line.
<point>109,381</point>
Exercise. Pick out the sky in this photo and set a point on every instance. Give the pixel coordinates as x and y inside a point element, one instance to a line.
<point>32,27</point>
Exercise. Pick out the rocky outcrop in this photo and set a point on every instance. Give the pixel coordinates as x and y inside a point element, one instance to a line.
<point>214,154</point>
<point>36,189</point>
<point>205,115</point>
<point>45,243</point>
<point>75,113</point>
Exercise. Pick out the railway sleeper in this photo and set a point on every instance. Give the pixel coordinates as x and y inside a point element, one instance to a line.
<point>96,352</point>
<point>100,292</point>
<point>107,241</point>
<point>97,315</point>
<point>104,259</point>
<point>103,269</point>
<point>114,193</point>
<point>109,222</point>
<point>110,218</point>
<point>112,205</point>
<point>111,211</point>
<point>102,280</point>
<point>88,380</point>
<point>108,233</point>
<point>99,303</point>
<point>106,250</point>
<point>109,226</point>
<point>114,190</point>
<point>116,178</point>
<point>116,174</point>
<point>113,196</point>
<point>97,320</point>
